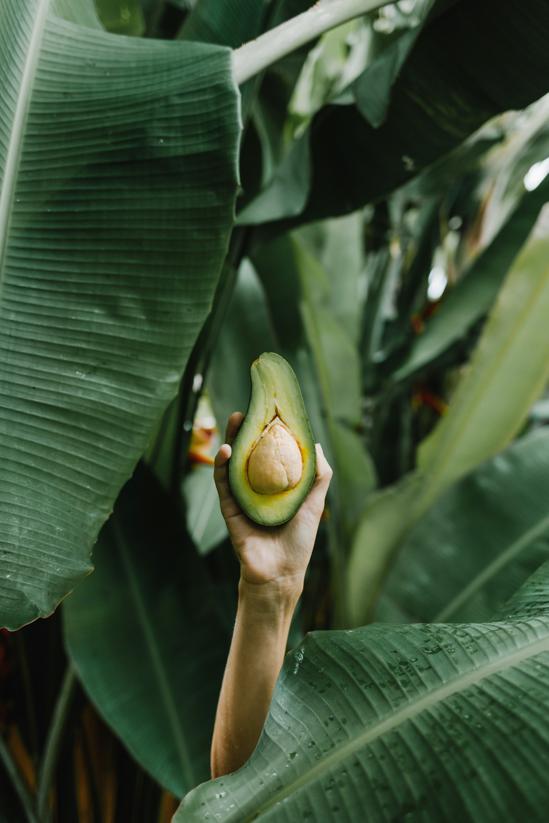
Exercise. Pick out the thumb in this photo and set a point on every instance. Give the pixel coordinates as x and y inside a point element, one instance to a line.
<point>221,477</point>
<point>324,474</point>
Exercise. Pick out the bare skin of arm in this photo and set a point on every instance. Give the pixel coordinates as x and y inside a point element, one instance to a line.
<point>272,570</point>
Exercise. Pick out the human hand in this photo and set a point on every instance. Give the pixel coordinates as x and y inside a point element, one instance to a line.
<point>274,558</point>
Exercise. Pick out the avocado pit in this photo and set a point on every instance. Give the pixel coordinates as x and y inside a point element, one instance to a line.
<point>275,463</point>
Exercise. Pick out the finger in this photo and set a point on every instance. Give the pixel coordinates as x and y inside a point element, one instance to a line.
<point>221,478</point>
<point>223,455</point>
<point>317,495</point>
<point>220,471</point>
<point>233,424</point>
<point>324,471</point>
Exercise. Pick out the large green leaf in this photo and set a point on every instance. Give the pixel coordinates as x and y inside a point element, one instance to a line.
<point>229,23</point>
<point>234,22</point>
<point>286,107</point>
<point>511,361</point>
<point>478,543</point>
<point>413,722</point>
<point>372,90</point>
<point>449,86</point>
<point>118,177</point>
<point>147,642</point>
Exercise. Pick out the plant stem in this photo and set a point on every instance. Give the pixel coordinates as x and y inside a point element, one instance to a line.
<point>27,691</point>
<point>17,782</point>
<point>53,743</point>
<point>201,355</point>
<point>257,55</point>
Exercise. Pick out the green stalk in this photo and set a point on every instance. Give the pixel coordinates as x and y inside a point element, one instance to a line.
<point>27,691</point>
<point>259,54</point>
<point>53,743</point>
<point>17,782</point>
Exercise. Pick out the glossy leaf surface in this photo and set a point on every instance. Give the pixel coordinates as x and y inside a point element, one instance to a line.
<point>436,722</point>
<point>513,351</point>
<point>478,543</point>
<point>117,185</point>
<point>450,84</point>
<point>148,645</point>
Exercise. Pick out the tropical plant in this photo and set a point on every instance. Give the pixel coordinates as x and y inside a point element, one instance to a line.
<point>359,186</point>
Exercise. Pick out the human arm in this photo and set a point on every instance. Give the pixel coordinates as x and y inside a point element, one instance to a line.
<point>272,570</point>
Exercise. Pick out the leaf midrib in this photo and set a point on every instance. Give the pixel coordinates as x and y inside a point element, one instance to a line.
<point>168,700</point>
<point>493,568</point>
<point>408,712</point>
<point>15,144</point>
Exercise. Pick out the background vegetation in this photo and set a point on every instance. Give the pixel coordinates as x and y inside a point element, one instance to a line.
<point>391,241</point>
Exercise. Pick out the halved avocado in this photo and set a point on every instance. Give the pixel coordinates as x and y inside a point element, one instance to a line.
<point>273,462</point>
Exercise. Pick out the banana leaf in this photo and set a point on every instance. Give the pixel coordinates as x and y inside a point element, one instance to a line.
<point>118,173</point>
<point>478,543</point>
<point>470,62</point>
<point>474,295</point>
<point>414,722</point>
<point>511,361</point>
<point>150,647</point>
<point>230,23</point>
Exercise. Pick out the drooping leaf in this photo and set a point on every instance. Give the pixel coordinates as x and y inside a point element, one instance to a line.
<point>285,108</point>
<point>331,66</point>
<point>372,90</point>
<point>510,361</point>
<point>147,642</point>
<point>514,161</point>
<point>478,543</point>
<point>432,722</point>
<point>474,295</point>
<point>449,86</point>
<point>118,177</point>
<point>513,353</point>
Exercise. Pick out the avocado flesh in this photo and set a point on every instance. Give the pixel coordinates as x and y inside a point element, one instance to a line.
<point>275,403</point>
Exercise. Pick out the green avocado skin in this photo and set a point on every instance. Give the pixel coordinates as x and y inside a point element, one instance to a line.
<point>275,391</point>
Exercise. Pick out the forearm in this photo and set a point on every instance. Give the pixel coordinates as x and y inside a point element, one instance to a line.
<point>255,658</point>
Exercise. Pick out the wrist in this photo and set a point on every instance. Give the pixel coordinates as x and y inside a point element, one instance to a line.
<point>278,596</point>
